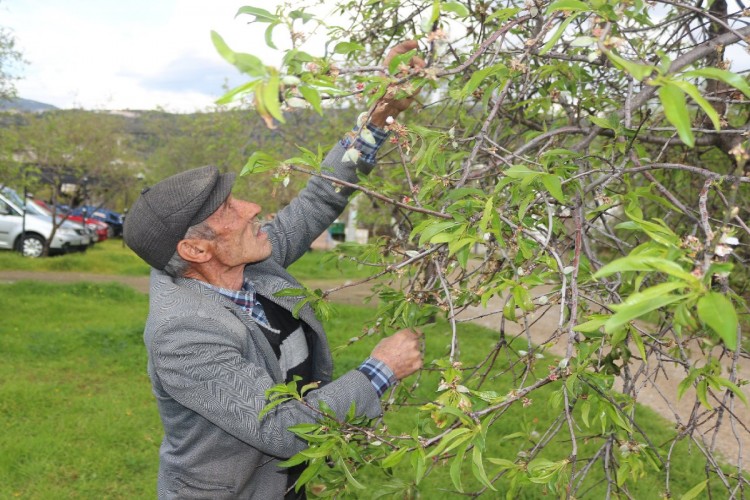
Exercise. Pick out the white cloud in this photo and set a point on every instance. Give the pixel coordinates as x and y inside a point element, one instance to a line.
<point>139,54</point>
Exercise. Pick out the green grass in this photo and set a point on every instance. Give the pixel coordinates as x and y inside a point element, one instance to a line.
<point>112,257</point>
<point>107,257</point>
<point>76,410</point>
<point>320,265</point>
<point>79,419</point>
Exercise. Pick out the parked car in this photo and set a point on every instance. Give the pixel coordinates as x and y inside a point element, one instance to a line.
<point>39,208</point>
<point>27,230</point>
<point>100,229</point>
<point>113,219</point>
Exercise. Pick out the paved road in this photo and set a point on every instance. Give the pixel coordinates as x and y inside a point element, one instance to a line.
<point>659,393</point>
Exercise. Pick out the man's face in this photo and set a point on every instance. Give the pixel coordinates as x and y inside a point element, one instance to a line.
<point>239,240</point>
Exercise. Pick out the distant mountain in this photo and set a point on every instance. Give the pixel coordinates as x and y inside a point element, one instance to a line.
<point>24,105</point>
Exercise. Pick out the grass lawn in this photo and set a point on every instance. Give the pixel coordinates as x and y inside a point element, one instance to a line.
<point>80,422</point>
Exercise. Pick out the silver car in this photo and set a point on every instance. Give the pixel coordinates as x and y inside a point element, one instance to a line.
<point>28,232</point>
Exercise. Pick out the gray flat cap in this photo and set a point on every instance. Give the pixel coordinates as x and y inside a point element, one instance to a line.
<point>162,214</point>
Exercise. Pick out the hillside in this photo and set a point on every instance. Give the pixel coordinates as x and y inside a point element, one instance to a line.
<point>24,105</point>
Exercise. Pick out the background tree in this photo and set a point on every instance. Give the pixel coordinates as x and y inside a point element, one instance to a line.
<point>227,138</point>
<point>71,158</point>
<point>9,57</point>
<point>595,152</point>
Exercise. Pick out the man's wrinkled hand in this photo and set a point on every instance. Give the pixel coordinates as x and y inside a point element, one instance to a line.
<point>402,352</point>
<point>389,105</point>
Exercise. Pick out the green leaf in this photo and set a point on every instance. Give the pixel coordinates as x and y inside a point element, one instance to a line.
<point>419,463</point>
<point>222,48</point>
<point>269,35</point>
<point>295,460</point>
<point>434,229</point>
<point>394,458</point>
<point>301,429</point>
<point>347,47</point>
<point>592,325</point>
<point>585,409</point>
<point>509,309</point>
<point>686,383</point>
<point>715,310</point>
<point>291,292</point>
<point>271,405</point>
<point>702,392</point>
<point>638,341</point>
<point>695,94</point>
<point>618,336</point>
<point>521,172</point>
<point>271,97</point>
<point>554,186</point>
<point>649,294</point>
<point>676,111</point>
<point>455,471</point>
<point>733,79</point>
<point>245,88</point>
<point>312,96</point>
<point>695,491</point>
<point>647,263</point>
<point>601,122</point>
<point>722,382</point>
<point>349,476</point>
<point>261,15</point>
<point>572,5</point>
<point>450,441</point>
<point>639,71</point>
<point>259,162</point>
<point>301,14</point>
<point>479,76</point>
<point>477,467</point>
<point>614,415</point>
<point>457,8</point>
<point>556,36</point>
<point>435,15</point>
<point>487,214</point>
<point>400,59</point>
<point>628,312</point>
<point>503,14</point>
<point>309,473</point>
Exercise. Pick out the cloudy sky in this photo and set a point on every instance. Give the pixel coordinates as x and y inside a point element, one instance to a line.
<point>141,54</point>
<point>134,54</point>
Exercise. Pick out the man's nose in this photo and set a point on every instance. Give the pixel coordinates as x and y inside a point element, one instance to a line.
<point>251,209</point>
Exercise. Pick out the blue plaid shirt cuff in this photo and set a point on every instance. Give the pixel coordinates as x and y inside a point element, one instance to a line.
<point>381,377</point>
<point>368,145</point>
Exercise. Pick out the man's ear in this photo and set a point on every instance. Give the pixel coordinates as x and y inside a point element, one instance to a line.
<point>194,250</point>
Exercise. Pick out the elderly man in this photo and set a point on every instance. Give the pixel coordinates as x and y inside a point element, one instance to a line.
<point>218,336</point>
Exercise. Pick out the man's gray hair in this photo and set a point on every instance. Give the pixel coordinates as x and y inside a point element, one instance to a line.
<point>177,266</point>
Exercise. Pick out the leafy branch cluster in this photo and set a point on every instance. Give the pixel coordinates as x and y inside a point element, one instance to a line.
<point>584,161</point>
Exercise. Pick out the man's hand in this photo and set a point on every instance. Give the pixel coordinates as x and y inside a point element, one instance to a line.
<point>401,352</point>
<point>388,105</point>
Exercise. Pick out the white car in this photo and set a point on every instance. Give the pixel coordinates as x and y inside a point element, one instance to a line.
<point>27,232</point>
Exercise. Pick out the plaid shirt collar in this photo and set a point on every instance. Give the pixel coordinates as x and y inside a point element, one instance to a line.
<point>246,298</point>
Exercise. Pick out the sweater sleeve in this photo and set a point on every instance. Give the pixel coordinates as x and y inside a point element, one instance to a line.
<point>319,204</point>
<point>203,370</point>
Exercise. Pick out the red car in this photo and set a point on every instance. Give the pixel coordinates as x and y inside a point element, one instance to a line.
<point>100,228</point>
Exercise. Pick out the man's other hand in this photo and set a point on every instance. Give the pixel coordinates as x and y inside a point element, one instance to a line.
<point>401,351</point>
